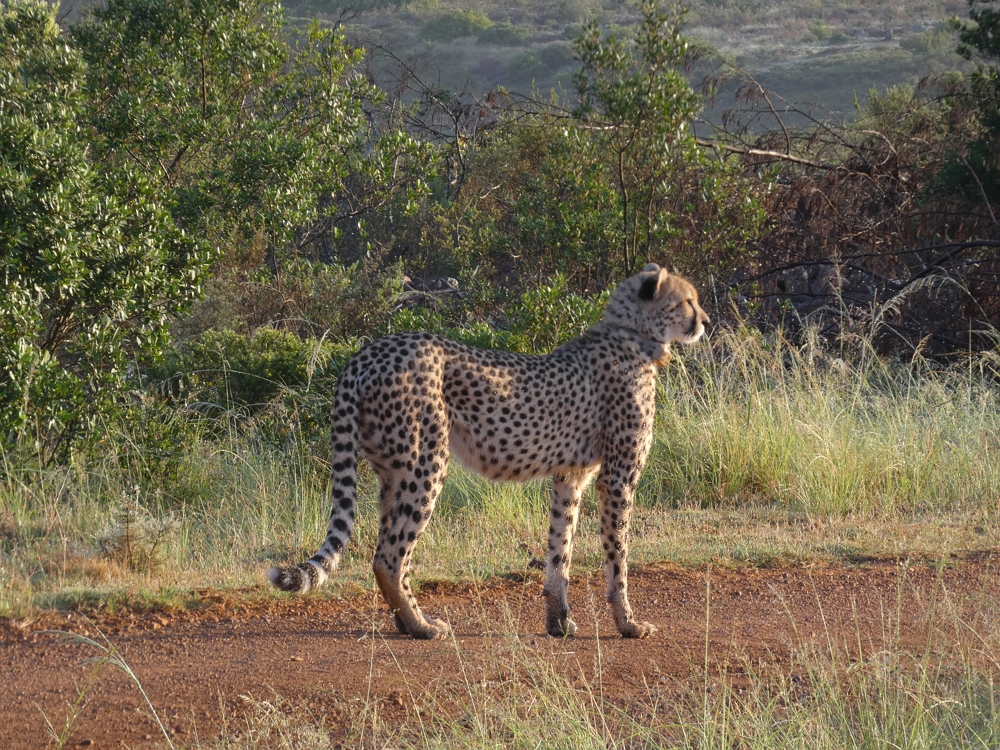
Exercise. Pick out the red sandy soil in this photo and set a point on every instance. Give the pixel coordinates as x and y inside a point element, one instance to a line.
<point>333,655</point>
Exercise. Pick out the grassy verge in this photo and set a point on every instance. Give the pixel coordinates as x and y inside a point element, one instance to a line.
<point>764,454</point>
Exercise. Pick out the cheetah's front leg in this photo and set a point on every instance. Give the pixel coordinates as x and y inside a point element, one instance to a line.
<point>616,487</point>
<point>563,513</point>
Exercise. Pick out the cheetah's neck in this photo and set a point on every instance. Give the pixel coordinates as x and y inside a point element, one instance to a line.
<point>656,352</point>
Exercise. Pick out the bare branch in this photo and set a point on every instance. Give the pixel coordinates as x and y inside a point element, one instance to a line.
<point>747,151</point>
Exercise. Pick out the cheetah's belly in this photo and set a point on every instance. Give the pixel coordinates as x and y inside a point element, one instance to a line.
<point>525,444</point>
<point>521,464</point>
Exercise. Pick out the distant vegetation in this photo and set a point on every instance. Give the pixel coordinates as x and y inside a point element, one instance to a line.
<point>477,44</point>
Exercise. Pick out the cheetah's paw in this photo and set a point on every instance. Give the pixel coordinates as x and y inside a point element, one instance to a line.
<point>562,628</point>
<point>638,630</point>
<point>429,630</point>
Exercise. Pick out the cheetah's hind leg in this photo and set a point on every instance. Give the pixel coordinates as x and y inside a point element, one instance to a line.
<point>396,540</point>
<point>408,496</point>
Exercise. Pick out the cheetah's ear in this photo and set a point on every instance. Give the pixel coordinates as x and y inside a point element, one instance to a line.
<point>651,285</point>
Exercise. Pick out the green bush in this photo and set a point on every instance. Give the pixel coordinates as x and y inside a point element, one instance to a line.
<point>454,25</point>
<point>838,37</point>
<point>503,35</point>
<point>980,41</point>
<point>636,102</point>
<point>525,66</point>
<point>836,75</point>
<point>245,133</point>
<point>536,322</point>
<point>566,214</point>
<point>149,442</point>
<point>930,42</point>
<point>567,11</point>
<point>557,55</point>
<point>309,298</point>
<point>233,370</point>
<point>550,315</point>
<point>536,63</point>
<point>92,265</point>
<point>821,30</point>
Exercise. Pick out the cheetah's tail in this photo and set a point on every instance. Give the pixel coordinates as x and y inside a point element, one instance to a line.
<point>343,482</point>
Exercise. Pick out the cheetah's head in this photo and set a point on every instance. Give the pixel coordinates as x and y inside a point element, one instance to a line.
<point>659,306</point>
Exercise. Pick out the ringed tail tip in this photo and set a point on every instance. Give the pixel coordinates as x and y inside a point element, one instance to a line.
<point>289,579</point>
<point>299,579</point>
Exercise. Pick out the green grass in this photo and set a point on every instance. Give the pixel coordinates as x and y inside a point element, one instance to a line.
<point>756,421</point>
<point>764,454</point>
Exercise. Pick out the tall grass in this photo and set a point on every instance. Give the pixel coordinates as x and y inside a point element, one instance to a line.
<point>753,420</point>
<point>763,452</point>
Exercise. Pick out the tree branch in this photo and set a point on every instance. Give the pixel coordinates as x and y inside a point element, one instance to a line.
<point>744,151</point>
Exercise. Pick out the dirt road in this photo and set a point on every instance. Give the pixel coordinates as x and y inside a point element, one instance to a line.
<point>335,655</point>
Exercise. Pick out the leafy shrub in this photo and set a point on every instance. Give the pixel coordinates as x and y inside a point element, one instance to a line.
<point>550,315</point>
<point>503,35</point>
<point>149,441</point>
<point>309,298</point>
<point>454,24</point>
<point>836,75</point>
<point>638,104</point>
<point>821,30</point>
<point>557,55</point>
<point>900,111</point>
<point>254,133</point>
<point>566,214</point>
<point>930,42</point>
<point>533,64</point>
<point>976,174</point>
<point>838,37</point>
<point>526,65</point>
<point>238,370</point>
<point>92,265</point>
<point>536,322</point>
<point>544,195</point>
<point>566,11</point>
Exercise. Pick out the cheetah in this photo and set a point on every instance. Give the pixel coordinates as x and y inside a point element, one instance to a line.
<point>586,409</point>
